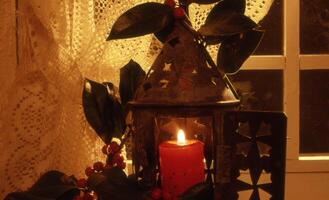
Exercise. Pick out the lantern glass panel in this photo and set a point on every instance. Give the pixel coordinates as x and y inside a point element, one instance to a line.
<point>199,128</point>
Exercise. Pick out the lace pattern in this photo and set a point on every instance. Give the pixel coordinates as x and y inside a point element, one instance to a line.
<point>60,43</point>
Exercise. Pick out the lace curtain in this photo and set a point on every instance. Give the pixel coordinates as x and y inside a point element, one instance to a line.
<point>60,42</point>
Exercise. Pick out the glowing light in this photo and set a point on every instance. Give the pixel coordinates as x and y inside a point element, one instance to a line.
<point>181,137</point>
<point>313,157</point>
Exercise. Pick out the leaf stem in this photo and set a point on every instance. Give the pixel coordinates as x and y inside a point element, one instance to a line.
<point>127,133</point>
<point>184,4</point>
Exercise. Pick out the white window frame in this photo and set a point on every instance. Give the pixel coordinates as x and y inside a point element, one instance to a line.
<point>291,62</point>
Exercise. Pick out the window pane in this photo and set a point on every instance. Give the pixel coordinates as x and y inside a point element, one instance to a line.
<point>272,43</point>
<point>314,26</point>
<point>314,111</point>
<point>260,89</point>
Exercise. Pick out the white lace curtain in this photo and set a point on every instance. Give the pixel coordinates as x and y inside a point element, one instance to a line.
<point>60,43</point>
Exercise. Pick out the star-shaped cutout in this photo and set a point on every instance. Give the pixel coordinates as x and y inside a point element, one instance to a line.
<point>164,83</point>
<point>264,130</point>
<point>167,67</point>
<point>249,190</point>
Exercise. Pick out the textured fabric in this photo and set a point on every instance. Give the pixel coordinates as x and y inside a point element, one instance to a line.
<point>60,43</point>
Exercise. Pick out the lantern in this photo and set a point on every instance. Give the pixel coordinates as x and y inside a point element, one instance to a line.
<point>182,90</point>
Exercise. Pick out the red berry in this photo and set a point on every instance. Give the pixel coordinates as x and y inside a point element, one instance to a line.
<point>156,193</point>
<point>117,158</point>
<point>170,3</point>
<point>87,196</point>
<point>105,149</point>
<point>114,147</point>
<point>98,166</point>
<point>82,183</point>
<point>122,165</point>
<point>89,171</point>
<point>179,13</point>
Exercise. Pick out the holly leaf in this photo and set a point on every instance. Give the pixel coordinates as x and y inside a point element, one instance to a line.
<point>235,50</point>
<point>141,20</point>
<point>103,110</point>
<point>203,1</point>
<point>163,34</point>
<point>114,184</point>
<point>106,191</point>
<point>95,179</point>
<point>238,6</point>
<point>131,75</point>
<point>226,19</point>
<point>199,191</point>
<point>53,185</point>
<point>52,178</point>
<point>24,196</point>
<point>116,176</point>
<point>214,40</point>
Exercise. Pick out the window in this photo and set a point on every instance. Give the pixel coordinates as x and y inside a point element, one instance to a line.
<point>314,75</point>
<point>303,62</point>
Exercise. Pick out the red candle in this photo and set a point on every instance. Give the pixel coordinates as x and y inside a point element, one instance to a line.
<point>181,164</point>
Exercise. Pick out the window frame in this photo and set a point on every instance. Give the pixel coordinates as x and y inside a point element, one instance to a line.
<point>292,62</point>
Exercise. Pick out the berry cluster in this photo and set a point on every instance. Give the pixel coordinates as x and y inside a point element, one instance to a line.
<point>114,159</point>
<point>178,12</point>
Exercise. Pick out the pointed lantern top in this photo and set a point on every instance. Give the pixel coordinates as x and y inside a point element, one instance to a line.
<point>181,75</point>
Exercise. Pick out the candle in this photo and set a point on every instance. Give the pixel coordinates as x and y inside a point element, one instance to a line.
<point>181,164</point>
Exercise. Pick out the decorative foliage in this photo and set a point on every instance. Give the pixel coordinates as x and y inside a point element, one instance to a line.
<point>131,76</point>
<point>226,19</point>
<point>236,49</point>
<point>53,185</point>
<point>140,20</point>
<point>103,110</point>
<point>226,24</point>
<point>204,1</point>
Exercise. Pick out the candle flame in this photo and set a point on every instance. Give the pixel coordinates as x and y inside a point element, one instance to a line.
<point>181,137</point>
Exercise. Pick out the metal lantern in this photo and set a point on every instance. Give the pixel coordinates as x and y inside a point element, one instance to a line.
<point>182,90</point>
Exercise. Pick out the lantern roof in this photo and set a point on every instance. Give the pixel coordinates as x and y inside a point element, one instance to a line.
<point>181,75</point>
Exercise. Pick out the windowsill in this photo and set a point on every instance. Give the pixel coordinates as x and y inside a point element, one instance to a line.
<point>307,166</point>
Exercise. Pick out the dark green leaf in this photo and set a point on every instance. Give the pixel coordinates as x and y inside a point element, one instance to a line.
<point>199,191</point>
<point>238,6</point>
<point>53,185</point>
<point>50,178</point>
<point>204,1</point>
<point>235,50</point>
<point>163,34</point>
<point>213,40</point>
<point>116,176</point>
<point>24,196</point>
<point>141,20</point>
<point>103,110</point>
<point>226,19</point>
<point>56,192</point>
<point>132,180</point>
<point>95,180</point>
<point>108,191</point>
<point>131,76</point>
<point>114,184</point>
